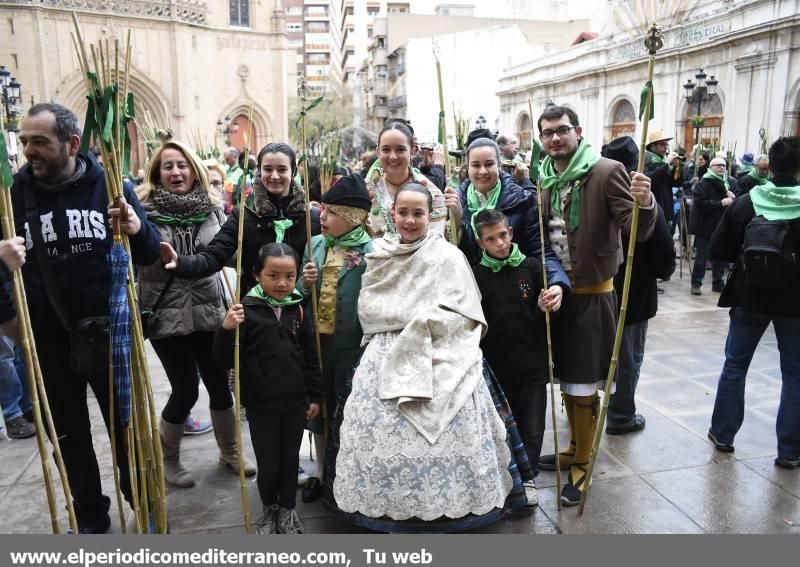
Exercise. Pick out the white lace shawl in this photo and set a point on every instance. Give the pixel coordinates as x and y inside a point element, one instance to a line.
<point>425,290</point>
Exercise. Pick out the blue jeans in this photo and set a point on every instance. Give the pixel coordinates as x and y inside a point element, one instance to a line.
<point>622,407</point>
<point>744,334</point>
<point>14,395</point>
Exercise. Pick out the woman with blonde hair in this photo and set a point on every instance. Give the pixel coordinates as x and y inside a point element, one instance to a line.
<point>184,314</point>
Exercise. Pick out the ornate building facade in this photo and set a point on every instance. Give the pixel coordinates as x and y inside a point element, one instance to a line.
<point>752,47</point>
<point>193,63</point>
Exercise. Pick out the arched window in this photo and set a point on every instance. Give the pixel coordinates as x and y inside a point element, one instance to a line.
<point>623,119</point>
<point>240,13</point>
<point>705,128</point>
<point>524,131</point>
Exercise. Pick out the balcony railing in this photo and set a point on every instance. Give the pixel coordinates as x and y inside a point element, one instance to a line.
<point>397,102</point>
<point>189,11</point>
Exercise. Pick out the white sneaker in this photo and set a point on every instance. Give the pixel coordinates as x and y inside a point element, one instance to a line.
<point>530,493</point>
<point>302,476</point>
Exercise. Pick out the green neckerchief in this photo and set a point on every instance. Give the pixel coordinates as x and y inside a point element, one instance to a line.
<point>581,163</point>
<point>281,226</point>
<point>175,221</point>
<point>721,178</point>
<point>656,159</point>
<point>355,237</point>
<point>746,170</point>
<point>474,204</point>
<point>776,203</point>
<point>514,259</point>
<point>760,180</point>
<point>292,299</point>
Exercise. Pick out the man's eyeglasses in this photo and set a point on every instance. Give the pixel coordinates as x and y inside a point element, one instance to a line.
<point>561,131</point>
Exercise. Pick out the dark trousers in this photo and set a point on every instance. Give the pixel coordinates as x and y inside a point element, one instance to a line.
<point>703,246</point>
<point>66,393</point>
<point>276,437</point>
<point>529,405</point>
<point>622,406</point>
<point>182,357</point>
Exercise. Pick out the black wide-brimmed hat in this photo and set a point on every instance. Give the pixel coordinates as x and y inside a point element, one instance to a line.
<point>623,150</point>
<point>349,191</point>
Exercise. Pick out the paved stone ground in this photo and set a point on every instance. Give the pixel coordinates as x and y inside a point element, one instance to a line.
<point>665,479</point>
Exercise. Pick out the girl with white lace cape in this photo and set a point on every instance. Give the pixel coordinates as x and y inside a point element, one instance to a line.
<point>422,447</point>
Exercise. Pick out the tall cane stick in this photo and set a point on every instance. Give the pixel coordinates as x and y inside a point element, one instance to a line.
<point>302,92</point>
<point>653,42</point>
<point>549,339</point>
<point>236,362</point>
<point>443,127</point>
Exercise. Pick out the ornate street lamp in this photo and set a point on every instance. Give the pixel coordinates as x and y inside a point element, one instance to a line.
<point>227,128</point>
<point>703,91</point>
<point>11,94</point>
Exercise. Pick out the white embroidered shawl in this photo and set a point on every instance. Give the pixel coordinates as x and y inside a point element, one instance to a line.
<point>425,290</point>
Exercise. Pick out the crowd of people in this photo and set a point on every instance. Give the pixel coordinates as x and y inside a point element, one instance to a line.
<point>421,368</point>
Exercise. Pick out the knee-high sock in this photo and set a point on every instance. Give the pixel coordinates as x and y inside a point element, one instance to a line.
<point>585,427</point>
<point>569,407</point>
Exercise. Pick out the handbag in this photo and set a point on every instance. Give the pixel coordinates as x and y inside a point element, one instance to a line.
<point>90,337</point>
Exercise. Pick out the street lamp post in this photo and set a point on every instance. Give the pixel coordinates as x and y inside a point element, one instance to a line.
<point>227,128</point>
<point>703,91</point>
<point>11,100</point>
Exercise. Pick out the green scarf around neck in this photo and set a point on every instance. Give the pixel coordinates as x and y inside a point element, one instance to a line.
<point>514,259</point>
<point>355,237</point>
<point>581,163</point>
<point>760,180</point>
<point>292,299</point>
<point>721,178</point>
<point>776,203</point>
<point>281,226</point>
<point>655,158</point>
<point>474,203</point>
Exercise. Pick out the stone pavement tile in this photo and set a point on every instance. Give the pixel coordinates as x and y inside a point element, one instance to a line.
<point>759,388</point>
<point>520,523</point>
<point>789,480</point>
<point>662,445</point>
<point>689,362</point>
<point>17,455</point>
<point>728,497</point>
<point>620,506</point>
<point>680,396</point>
<point>756,438</point>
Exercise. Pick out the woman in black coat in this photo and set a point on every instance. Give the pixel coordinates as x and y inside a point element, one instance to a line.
<point>275,213</point>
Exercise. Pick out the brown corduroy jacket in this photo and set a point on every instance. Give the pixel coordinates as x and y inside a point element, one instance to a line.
<point>605,217</point>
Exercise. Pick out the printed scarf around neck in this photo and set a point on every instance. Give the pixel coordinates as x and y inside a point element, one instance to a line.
<point>182,210</point>
<point>581,163</point>
<point>292,299</point>
<point>514,259</point>
<point>760,180</point>
<point>474,203</point>
<point>721,178</point>
<point>355,237</point>
<point>776,203</point>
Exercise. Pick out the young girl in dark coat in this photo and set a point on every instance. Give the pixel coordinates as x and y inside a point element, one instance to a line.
<point>281,383</point>
<point>515,344</point>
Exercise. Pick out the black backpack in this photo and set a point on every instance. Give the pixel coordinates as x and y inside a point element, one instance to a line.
<point>768,256</point>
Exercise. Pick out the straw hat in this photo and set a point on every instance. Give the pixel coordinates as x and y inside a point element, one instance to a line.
<point>657,136</point>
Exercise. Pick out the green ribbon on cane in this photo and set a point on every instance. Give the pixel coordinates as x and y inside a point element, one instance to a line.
<point>648,87</point>
<point>314,104</point>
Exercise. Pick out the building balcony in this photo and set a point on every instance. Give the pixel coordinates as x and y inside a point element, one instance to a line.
<point>397,102</point>
<point>379,112</point>
<point>187,11</point>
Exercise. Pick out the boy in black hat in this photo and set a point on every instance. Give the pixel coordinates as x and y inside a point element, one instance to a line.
<point>515,343</point>
<point>338,253</point>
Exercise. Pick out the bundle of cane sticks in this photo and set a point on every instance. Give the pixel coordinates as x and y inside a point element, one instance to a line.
<point>106,84</point>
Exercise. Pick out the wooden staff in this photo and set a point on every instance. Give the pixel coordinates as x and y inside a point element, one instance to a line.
<point>302,92</point>
<point>653,42</point>
<point>549,339</point>
<point>39,403</point>
<point>443,126</point>
<point>236,361</point>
